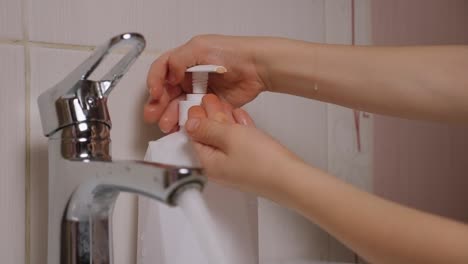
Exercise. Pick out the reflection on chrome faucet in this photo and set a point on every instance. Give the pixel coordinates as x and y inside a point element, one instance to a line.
<point>84,182</point>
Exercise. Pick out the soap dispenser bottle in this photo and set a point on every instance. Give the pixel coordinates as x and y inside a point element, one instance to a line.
<point>232,212</point>
<point>175,149</point>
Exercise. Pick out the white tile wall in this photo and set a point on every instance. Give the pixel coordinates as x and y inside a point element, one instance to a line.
<point>168,23</point>
<point>308,139</point>
<point>48,66</point>
<point>129,135</point>
<point>363,22</point>
<point>11,19</point>
<point>286,236</point>
<point>12,154</point>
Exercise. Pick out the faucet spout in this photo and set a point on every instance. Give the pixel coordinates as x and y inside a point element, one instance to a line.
<point>84,184</point>
<point>86,237</point>
<point>156,181</point>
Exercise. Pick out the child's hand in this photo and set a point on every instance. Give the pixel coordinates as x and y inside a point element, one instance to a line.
<point>233,151</point>
<point>168,81</point>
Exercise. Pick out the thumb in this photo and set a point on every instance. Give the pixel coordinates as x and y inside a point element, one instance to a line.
<point>208,132</point>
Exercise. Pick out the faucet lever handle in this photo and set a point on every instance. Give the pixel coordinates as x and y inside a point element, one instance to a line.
<point>83,71</point>
<point>76,99</point>
<point>137,43</point>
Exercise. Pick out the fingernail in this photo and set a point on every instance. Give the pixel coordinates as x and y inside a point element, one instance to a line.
<point>192,124</point>
<point>164,130</point>
<point>243,122</point>
<point>220,117</point>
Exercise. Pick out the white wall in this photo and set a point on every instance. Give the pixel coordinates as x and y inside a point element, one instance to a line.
<point>12,154</point>
<point>42,41</point>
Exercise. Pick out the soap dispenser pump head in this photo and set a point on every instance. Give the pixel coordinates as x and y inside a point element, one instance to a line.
<point>199,88</point>
<point>200,76</point>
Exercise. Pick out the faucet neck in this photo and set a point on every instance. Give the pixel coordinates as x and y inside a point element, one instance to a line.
<point>88,141</point>
<point>84,103</point>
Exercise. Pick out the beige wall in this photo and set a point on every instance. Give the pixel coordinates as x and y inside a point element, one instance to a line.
<point>42,41</point>
<point>421,164</point>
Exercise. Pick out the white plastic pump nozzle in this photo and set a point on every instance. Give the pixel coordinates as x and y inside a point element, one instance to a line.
<point>200,76</point>
<point>175,149</point>
<point>199,87</point>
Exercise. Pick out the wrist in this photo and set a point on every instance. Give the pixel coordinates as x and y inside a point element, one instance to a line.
<point>285,65</point>
<point>263,52</point>
<point>276,184</point>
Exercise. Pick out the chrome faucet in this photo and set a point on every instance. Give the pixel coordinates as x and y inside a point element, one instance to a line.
<point>84,182</point>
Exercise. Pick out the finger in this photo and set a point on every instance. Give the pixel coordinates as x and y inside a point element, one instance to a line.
<point>196,112</point>
<point>209,132</point>
<point>227,109</point>
<point>212,105</point>
<point>173,91</point>
<point>153,109</point>
<point>209,157</point>
<point>157,76</point>
<point>179,60</point>
<point>170,116</point>
<point>206,154</point>
<point>242,117</point>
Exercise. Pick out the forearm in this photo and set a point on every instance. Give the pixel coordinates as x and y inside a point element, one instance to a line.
<point>378,230</point>
<point>412,82</point>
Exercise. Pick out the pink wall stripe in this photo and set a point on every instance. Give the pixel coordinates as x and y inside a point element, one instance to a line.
<point>421,164</point>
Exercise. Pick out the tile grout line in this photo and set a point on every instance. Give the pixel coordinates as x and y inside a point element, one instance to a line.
<point>27,79</point>
<point>51,45</point>
<point>16,42</point>
<point>27,44</point>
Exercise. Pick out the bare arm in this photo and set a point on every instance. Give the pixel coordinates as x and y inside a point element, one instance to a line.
<point>428,82</point>
<point>379,230</point>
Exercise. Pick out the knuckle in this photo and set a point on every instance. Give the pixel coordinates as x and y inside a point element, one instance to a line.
<point>176,67</point>
<point>198,39</point>
<point>172,60</point>
<point>221,117</point>
<point>199,42</point>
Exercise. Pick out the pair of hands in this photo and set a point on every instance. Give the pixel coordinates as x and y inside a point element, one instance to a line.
<point>230,148</point>
<point>168,82</point>
<point>233,152</point>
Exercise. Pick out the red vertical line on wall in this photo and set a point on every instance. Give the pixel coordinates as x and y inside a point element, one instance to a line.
<point>353,31</point>
<point>357,113</point>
